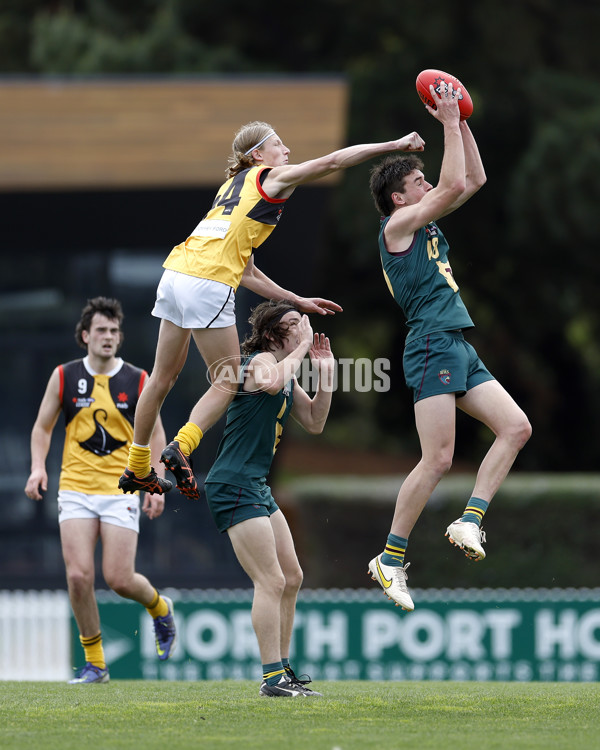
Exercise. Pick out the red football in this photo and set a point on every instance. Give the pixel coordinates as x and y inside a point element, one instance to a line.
<point>434,77</point>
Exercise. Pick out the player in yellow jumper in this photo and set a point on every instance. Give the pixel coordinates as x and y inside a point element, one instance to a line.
<point>196,294</point>
<point>98,395</point>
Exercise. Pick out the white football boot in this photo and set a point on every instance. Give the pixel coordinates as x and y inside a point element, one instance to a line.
<point>469,537</point>
<point>393,582</point>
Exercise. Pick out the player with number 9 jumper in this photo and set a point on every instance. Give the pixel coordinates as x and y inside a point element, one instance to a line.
<point>196,294</point>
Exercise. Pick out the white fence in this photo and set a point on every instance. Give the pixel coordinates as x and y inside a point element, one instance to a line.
<point>35,641</point>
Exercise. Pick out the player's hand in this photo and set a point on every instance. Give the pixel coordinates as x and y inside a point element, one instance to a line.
<point>153,505</point>
<point>36,484</point>
<point>411,142</point>
<point>305,330</point>
<point>320,352</point>
<point>318,305</point>
<point>447,103</point>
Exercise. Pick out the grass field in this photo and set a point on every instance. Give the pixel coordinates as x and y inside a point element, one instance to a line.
<point>142,715</point>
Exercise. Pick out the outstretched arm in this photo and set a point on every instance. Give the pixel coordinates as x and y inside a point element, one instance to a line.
<point>261,284</point>
<point>281,181</point>
<point>474,171</point>
<point>435,202</point>
<point>475,177</point>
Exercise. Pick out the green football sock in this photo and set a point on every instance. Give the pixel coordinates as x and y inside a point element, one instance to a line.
<point>475,510</point>
<point>394,551</point>
<point>272,673</point>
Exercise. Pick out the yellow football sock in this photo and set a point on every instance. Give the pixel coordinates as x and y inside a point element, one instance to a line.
<point>189,437</point>
<point>139,460</point>
<point>158,606</point>
<point>92,648</point>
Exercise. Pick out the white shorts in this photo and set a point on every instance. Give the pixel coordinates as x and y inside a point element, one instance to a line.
<point>119,510</point>
<point>189,302</point>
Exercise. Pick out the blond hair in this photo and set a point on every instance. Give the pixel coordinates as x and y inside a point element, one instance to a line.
<point>244,140</point>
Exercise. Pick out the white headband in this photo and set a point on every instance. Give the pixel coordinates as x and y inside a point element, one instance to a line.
<point>260,143</point>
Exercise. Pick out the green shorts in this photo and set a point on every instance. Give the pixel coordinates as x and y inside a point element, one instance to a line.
<point>442,363</point>
<point>230,504</point>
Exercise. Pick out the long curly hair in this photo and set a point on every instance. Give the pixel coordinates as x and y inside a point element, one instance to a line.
<point>267,328</point>
<point>245,138</point>
<point>107,306</point>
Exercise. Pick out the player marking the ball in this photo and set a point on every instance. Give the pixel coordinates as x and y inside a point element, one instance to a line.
<point>440,366</point>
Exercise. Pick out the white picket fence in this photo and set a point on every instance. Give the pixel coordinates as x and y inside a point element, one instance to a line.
<point>35,641</point>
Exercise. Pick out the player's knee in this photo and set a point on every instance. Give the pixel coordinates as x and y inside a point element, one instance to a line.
<point>119,589</point>
<point>525,431</point>
<point>293,579</point>
<point>437,465</point>
<point>442,462</point>
<point>161,382</point>
<point>279,584</point>
<point>119,583</point>
<point>520,431</point>
<point>273,584</point>
<point>79,581</point>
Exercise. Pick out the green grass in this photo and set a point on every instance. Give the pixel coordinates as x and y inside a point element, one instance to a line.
<point>139,715</point>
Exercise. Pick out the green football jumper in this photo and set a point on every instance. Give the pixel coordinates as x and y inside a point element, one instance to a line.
<point>254,426</point>
<point>420,280</point>
<point>436,358</point>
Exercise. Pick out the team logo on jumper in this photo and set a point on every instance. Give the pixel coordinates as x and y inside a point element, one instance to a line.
<point>444,376</point>
<point>122,401</point>
<point>101,443</point>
